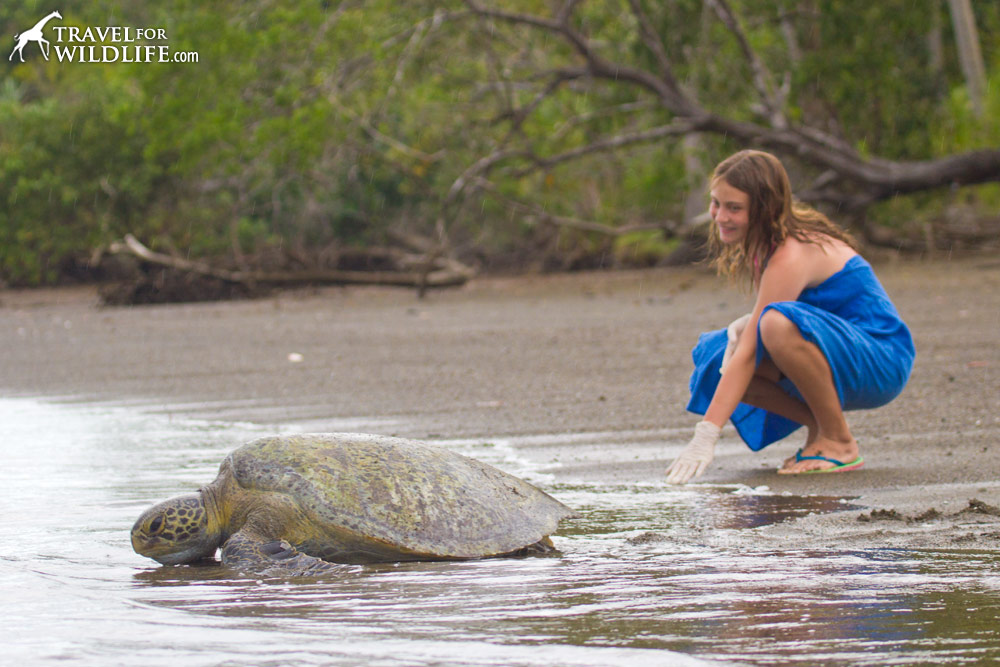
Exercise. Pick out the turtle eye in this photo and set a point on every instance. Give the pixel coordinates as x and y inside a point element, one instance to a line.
<point>156,525</point>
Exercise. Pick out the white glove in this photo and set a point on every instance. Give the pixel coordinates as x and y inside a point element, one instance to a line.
<point>696,456</point>
<point>733,332</point>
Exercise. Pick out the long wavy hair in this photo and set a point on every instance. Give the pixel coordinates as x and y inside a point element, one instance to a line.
<point>773,215</point>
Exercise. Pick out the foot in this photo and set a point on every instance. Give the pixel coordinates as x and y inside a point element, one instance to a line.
<point>812,433</point>
<point>841,451</point>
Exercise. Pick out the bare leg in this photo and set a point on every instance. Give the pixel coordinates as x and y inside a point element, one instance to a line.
<point>806,366</point>
<point>764,392</point>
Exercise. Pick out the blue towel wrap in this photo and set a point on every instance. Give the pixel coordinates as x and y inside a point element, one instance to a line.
<point>850,318</point>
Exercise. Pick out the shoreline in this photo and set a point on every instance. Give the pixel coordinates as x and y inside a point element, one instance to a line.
<point>585,373</point>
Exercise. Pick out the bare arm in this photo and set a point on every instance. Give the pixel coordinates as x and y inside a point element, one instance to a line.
<point>787,274</point>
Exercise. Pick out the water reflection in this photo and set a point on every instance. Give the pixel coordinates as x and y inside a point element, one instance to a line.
<point>650,574</point>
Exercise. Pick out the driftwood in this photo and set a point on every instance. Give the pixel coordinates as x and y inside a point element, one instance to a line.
<point>419,272</point>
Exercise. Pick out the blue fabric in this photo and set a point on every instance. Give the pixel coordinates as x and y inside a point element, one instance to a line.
<point>851,319</point>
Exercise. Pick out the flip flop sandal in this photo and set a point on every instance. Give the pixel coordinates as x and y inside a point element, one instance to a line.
<point>838,466</point>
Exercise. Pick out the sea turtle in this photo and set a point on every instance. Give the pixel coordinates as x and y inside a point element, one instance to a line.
<point>294,504</point>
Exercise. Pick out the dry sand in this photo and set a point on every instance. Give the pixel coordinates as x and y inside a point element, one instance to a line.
<point>586,374</point>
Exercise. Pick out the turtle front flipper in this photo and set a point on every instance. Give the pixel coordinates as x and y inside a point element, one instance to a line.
<point>246,552</point>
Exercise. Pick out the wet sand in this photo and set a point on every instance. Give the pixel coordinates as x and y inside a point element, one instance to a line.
<point>585,374</point>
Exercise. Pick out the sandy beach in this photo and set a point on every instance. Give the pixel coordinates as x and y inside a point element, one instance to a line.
<point>585,373</point>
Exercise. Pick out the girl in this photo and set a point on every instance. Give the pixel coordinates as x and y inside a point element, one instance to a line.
<point>823,336</point>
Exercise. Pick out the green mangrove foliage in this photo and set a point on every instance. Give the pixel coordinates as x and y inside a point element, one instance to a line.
<point>496,130</point>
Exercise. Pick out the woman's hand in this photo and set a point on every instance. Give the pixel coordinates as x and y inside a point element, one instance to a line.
<point>695,458</point>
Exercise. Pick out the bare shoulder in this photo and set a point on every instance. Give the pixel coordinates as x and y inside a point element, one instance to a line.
<point>812,262</point>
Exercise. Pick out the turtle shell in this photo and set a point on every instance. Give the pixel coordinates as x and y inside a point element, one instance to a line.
<point>369,497</point>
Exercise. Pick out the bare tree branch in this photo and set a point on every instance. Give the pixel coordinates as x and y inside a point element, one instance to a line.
<point>654,44</point>
<point>506,93</point>
<point>486,164</point>
<point>569,6</point>
<point>402,62</point>
<point>762,79</point>
<point>379,136</point>
<point>791,40</point>
<point>829,141</point>
<point>674,129</point>
<point>666,88</point>
<point>432,22</point>
<point>881,178</point>
<point>477,169</point>
<point>571,123</point>
<point>520,114</point>
<point>567,222</point>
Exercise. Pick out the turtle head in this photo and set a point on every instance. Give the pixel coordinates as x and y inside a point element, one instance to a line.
<point>176,531</point>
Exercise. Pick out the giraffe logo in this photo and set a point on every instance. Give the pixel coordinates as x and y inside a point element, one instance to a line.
<point>34,35</point>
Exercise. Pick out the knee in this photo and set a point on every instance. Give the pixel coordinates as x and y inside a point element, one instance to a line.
<point>776,330</point>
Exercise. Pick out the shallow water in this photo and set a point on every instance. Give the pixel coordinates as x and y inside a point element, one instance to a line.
<point>649,574</point>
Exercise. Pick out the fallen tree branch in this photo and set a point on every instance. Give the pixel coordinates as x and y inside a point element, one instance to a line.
<point>453,275</point>
<point>133,247</point>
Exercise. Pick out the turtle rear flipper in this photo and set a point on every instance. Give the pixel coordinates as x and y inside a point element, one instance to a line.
<point>245,552</point>
<point>542,546</point>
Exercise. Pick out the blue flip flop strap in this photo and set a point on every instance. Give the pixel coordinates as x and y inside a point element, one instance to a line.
<point>799,457</point>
